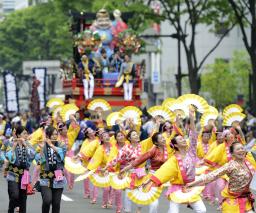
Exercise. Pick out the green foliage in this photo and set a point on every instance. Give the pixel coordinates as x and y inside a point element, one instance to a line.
<point>38,32</point>
<point>42,31</point>
<point>225,80</point>
<point>241,67</point>
<point>143,16</point>
<point>217,14</point>
<point>64,6</point>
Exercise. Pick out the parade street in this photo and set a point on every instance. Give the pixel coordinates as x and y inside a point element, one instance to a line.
<point>151,102</point>
<point>74,202</point>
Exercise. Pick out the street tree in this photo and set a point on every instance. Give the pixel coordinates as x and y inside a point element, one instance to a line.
<point>214,14</point>
<point>245,14</point>
<point>39,32</point>
<point>224,80</point>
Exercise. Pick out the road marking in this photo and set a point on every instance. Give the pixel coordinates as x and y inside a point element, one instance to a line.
<point>66,198</point>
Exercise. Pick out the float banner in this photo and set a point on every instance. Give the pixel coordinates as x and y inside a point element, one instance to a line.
<point>40,74</point>
<point>11,92</point>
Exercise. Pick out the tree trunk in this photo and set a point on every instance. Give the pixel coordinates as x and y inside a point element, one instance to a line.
<point>253,106</point>
<point>192,74</point>
<point>194,82</point>
<point>253,53</point>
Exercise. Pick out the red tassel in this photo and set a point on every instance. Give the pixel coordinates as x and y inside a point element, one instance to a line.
<point>30,190</point>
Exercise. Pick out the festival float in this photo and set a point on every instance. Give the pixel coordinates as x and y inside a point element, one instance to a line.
<point>102,66</point>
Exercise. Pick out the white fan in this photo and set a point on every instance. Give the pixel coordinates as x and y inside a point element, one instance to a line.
<point>180,196</point>
<point>233,117</point>
<point>206,117</point>
<point>168,101</point>
<point>56,111</point>
<point>177,107</point>
<point>163,112</point>
<point>112,117</point>
<point>117,183</point>
<point>231,108</point>
<point>100,180</point>
<point>74,167</point>
<point>99,104</point>
<point>67,110</point>
<point>131,112</point>
<point>145,198</point>
<point>84,176</point>
<point>196,100</point>
<point>212,110</point>
<point>54,102</point>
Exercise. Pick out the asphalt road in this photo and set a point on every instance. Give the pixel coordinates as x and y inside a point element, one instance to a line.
<point>73,202</point>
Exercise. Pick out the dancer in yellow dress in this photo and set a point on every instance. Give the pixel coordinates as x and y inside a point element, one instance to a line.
<point>99,160</point>
<point>180,170</point>
<point>120,142</point>
<point>127,154</point>
<point>87,150</point>
<point>237,196</point>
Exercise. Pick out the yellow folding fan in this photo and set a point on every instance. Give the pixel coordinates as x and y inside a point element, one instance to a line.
<point>167,114</point>
<point>142,197</point>
<point>131,112</point>
<point>56,111</point>
<point>177,108</point>
<point>195,100</point>
<point>231,108</point>
<point>67,110</point>
<point>189,196</point>
<point>117,183</point>
<point>111,118</point>
<point>100,180</point>
<point>233,117</point>
<point>74,167</point>
<point>206,117</point>
<point>99,104</point>
<point>168,101</point>
<point>84,176</point>
<point>54,102</point>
